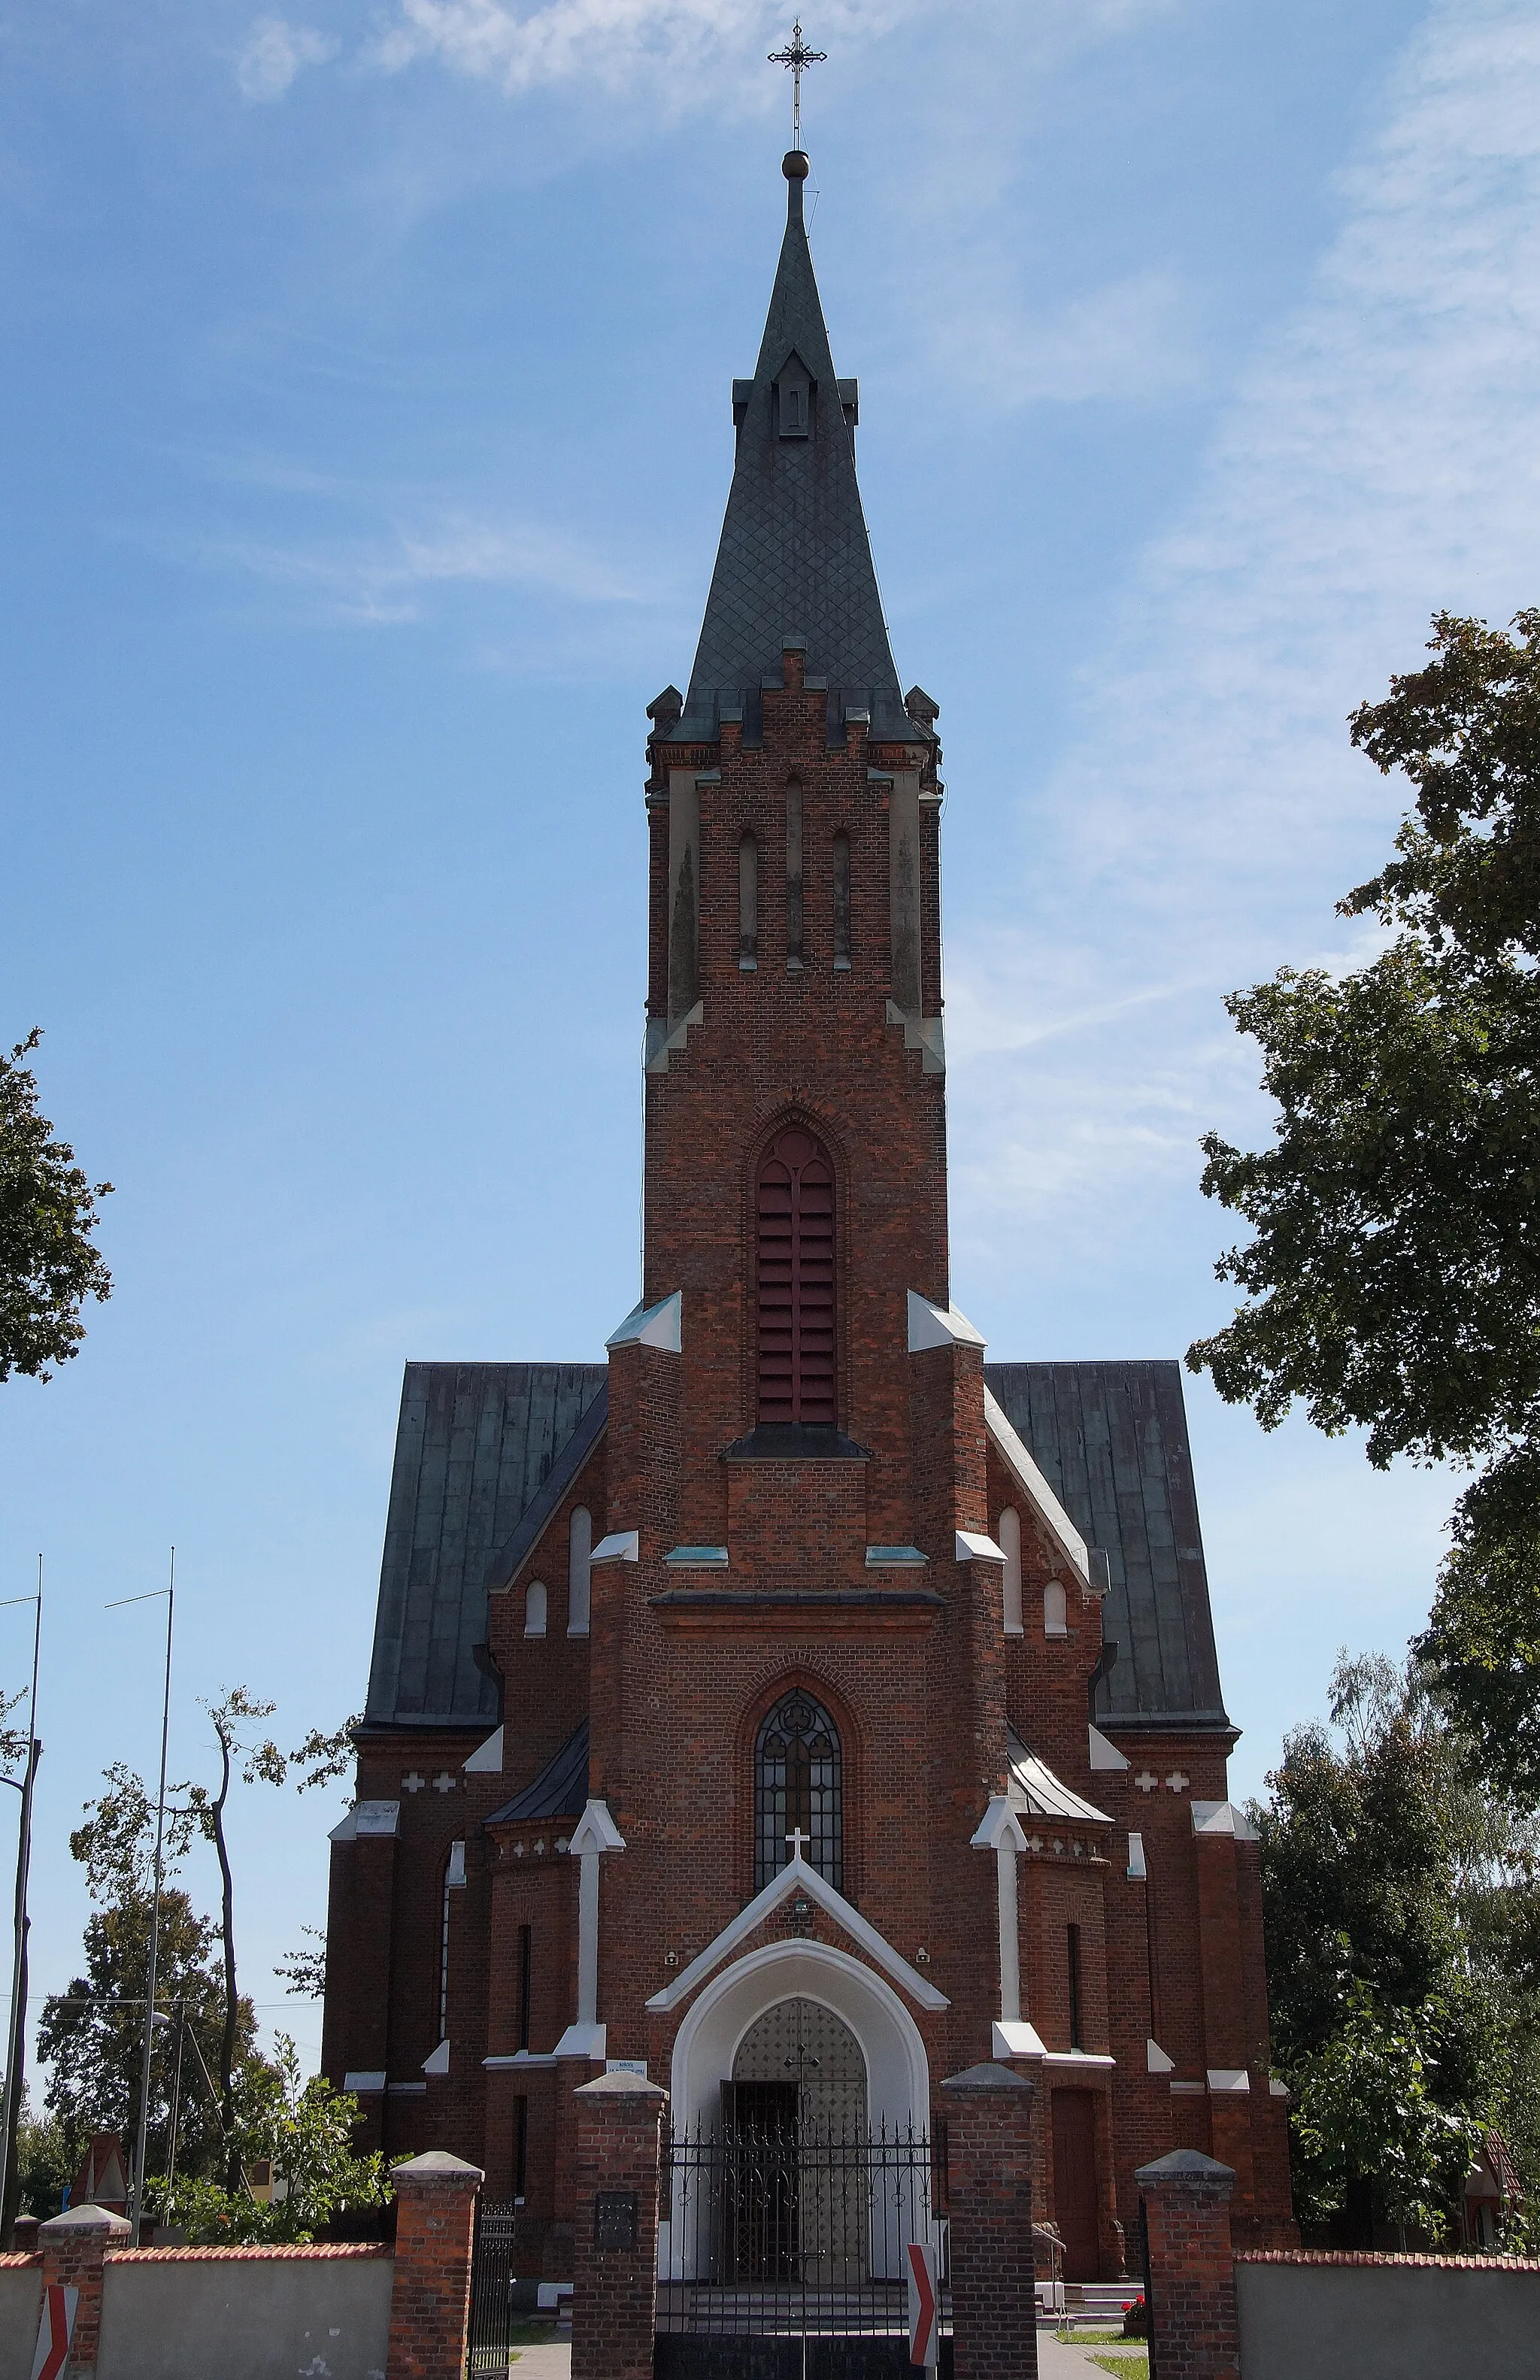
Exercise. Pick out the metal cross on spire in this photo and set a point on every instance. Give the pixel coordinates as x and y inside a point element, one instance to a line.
<point>799,57</point>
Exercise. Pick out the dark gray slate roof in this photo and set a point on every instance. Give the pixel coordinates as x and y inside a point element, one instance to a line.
<point>561,1791</point>
<point>794,557</point>
<point>1111,1440</point>
<point>476,1444</point>
<point>486,1452</point>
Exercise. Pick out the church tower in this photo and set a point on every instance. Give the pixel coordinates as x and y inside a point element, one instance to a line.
<point>796,1692</point>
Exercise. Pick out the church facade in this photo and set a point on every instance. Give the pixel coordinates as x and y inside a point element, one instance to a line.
<point>799,1692</point>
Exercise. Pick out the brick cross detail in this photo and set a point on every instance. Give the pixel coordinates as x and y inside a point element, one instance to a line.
<point>1178,1780</point>
<point>412,1783</point>
<point>443,1782</point>
<point>1146,1783</point>
<point>799,1842</point>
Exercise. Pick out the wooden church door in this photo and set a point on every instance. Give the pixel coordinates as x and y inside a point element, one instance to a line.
<point>1074,2182</point>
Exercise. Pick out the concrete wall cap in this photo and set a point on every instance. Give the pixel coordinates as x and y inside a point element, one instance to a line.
<point>437,2165</point>
<point>620,2086</point>
<point>85,2218</point>
<point>987,2078</point>
<point>1185,2164</point>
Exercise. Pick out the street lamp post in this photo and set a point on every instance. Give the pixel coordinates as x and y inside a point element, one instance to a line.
<point>17,2044</point>
<point>142,2144</point>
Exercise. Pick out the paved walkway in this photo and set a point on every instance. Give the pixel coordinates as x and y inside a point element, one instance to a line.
<point>1056,2363</point>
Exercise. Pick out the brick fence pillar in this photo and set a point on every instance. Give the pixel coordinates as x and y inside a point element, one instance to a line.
<point>435,2229</point>
<point>1192,2271</point>
<point>994,2315</point>
<point>615,2294</point>
<point>74,2246</point>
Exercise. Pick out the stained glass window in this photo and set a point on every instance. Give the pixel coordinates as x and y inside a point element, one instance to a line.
<point>797,1788</point>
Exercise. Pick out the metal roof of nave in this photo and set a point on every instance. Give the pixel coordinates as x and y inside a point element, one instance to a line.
<point>485,1453</point>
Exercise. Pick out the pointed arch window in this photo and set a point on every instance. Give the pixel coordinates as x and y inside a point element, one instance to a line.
<point>798,1787</point>
<point>795,1280</point>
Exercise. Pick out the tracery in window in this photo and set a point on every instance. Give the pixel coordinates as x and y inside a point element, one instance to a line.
<point>798,1791</point>
<point>795,1280</point>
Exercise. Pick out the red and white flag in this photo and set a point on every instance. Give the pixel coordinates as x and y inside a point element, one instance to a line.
<point>55,2331</point>
<point>924,2323</point>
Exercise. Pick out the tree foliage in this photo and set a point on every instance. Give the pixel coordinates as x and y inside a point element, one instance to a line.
<point>303,2132</point>
<point>49,1264</point>
<point>1403,1929</point>
<point>1392,1280</point>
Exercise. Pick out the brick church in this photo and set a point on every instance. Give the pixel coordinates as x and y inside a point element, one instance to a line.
<point>797,1692</point>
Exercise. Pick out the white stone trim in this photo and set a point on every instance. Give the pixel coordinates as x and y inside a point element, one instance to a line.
<point>1015,2038</point>
<point>972,1545</point>
<point>1034,1487</point>
<point>1067,2060</point>
<point>896,1558</point>
<point>436,2060</point>
<point>622,1545</point>
<point>365,2079</point>
<point>595,1831</point>
<point>582,2040</point>
<point>999,1824</point>
<point>1221,1818</point>
<point>1225,2080</point>
<point>653,1326</point>
<point>1104,1754</point>
<point>487,1758</point>
<point>940,1326</point>
<point>520,2058</point>
<point>797,1876</point>
<point>1155,2059</point>
<point>1138,1872</point>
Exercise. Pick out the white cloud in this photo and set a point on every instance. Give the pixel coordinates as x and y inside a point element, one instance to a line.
<point>274,53</point>
<point>1381,458</point>
<point>381,581</point>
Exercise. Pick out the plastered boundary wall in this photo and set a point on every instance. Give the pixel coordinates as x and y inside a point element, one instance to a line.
<point>181,2313</point>
<point>1339,2317</point>
<point>20,2287</point>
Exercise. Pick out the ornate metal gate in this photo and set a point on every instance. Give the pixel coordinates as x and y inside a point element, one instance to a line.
<point>781,2252</point>
<point>491,2289</point>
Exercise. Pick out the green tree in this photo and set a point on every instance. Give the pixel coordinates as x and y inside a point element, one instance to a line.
<point>1392,1280</point>
<point>1367,2122</point>
<point>91,2035</point>
<point>1403,1933</point>
<point>49,1266</point>
<point>256,1756</point>
<point>44,2162</point>
<point>303,2133</point>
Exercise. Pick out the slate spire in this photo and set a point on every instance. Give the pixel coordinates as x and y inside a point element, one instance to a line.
<point>794,558</point>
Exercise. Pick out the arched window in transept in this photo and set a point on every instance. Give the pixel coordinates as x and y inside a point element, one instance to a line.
<point>749,903</point>
<point>798,1791</point>
<point>534,1610</point>
<point>795,1280</point>
<point>842,900</point>
<point>1009,1535</point>
<point>1056,1609</point>
<point>580,1547</point>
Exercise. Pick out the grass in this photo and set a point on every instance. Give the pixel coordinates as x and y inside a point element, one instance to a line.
<point>1135,2362</point>
<point>531,2334</point>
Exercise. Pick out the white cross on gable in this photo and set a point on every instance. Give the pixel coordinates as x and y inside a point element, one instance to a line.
<point>443,1782</point>
<point>1146,1783</point>
<point>799,1842</point>
<point>412,1783</point>
<point>1178,1780</point>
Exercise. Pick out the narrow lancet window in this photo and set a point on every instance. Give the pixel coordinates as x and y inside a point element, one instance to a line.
<point>842,899</point>
<point>794,879</point>
<point>580,1547</point>
<point>798,1792</point>
<point>748,903</point>
<point>534,1610</point>
<point>795,1280</point>
<point>1009,1534</point>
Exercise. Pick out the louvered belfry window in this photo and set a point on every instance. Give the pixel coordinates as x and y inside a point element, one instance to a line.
<point>795,1280</point>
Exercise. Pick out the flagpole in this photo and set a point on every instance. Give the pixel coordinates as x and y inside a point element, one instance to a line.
<point>17,2043</point>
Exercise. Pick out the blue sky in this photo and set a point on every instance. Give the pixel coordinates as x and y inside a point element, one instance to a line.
<point>366,433</point>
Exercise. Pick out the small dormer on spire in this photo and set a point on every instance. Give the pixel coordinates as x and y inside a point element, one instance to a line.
<point>793,399</point>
